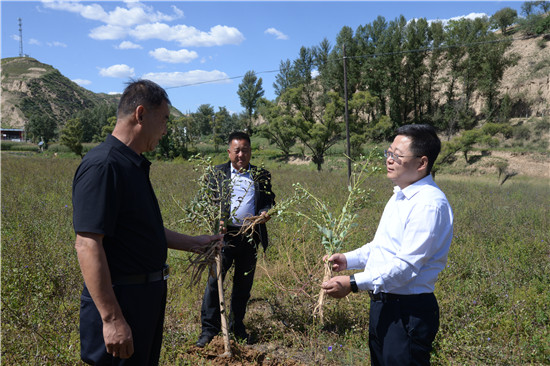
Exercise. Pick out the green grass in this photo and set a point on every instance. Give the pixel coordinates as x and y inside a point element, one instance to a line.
<point>494,294</point>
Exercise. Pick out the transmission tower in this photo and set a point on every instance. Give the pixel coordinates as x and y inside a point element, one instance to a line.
<point>21,54</point>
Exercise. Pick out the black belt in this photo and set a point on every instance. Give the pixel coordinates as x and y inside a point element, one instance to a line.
<point>384,296</point>
<point>139,279</point>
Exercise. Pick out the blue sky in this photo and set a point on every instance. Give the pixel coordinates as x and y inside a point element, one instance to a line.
<point>101,44</point>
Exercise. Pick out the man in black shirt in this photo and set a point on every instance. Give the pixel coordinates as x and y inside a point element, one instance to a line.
<point>121,241</point>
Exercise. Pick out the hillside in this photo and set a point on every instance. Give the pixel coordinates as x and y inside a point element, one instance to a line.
<point>31,87</point>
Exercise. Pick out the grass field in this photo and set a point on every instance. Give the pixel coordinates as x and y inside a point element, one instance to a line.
<point>494,294</point>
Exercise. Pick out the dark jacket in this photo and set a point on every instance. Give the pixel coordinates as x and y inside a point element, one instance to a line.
<point>264,198</point>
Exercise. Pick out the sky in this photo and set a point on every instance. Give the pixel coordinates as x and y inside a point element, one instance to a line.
<point>198,50</point>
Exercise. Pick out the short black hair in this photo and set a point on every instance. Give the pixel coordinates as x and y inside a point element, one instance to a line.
<point>238,135</point>
<point>141,92</point>
<point>424,141</point>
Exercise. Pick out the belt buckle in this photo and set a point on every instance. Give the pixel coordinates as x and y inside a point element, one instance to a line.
<point>165,272</point>
<point>371,295</point>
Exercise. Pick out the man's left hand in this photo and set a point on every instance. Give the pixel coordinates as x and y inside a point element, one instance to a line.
<point>337,287</point>
<point>265,217</point>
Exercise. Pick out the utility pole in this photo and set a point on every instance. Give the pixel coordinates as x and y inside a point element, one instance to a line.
<point>348,150</point>
<point>21,54</point>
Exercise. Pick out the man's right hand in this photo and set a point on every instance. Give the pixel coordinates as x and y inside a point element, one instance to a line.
<point>339,261</point>
<point>118,338</point>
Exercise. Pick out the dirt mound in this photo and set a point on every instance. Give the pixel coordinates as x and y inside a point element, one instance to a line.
<point>245,355</point>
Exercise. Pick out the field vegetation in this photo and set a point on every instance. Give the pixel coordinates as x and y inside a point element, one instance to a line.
<point>494,294</point>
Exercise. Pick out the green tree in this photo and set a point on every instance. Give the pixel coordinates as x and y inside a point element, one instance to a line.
<point>108,128</point>
<point>495,61</point>
<point>203,119</point>
<point>71,136</point>
<point>41,127</point>
<point>362,106</point>
<point>504,18</point>
<point>287,78</point>
<point>279,127</point>
<point>318,124</point>
<point>250,90</point>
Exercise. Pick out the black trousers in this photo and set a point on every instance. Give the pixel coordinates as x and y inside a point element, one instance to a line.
<point>402,329</point>
<point>242,252</point>
<point>143,307</point>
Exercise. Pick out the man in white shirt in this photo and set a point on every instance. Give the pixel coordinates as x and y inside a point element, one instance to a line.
<point>401,264</point>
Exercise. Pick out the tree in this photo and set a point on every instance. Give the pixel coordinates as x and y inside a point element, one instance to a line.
<point>71,136</point>
<point>250,90</point>
<point>495,62</point>
<point>361,107</point>
<point>279,127</point>
<point>287,78</point>
<point>504,18</point>
<point>318,124</point>
<point>108,128</point>
<point>203,119</point>
<point>41,127</point>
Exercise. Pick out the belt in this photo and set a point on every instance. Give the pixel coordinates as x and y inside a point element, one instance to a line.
<point>384,296</point>
<point>139,279</point>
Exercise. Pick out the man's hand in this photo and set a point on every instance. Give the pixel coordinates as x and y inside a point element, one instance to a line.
<point>118,338</point>
<point>339,261</point>
<point>196,244</point>
<point>337,287</point>
<point>265,217</point>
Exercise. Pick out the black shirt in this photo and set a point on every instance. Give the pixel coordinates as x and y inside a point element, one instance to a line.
<point>113,196</point>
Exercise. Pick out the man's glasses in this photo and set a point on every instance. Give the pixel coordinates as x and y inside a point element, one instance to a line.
<point>396,157</point>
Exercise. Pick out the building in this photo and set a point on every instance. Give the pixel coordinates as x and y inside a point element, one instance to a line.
<point>13,134</point>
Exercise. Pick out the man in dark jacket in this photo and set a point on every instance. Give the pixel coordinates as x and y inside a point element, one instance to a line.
<point>251,195</point>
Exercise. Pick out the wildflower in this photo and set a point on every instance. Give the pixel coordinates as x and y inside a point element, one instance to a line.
<point>489,338</point>
<point>330,348</point>
<point>474,302</point>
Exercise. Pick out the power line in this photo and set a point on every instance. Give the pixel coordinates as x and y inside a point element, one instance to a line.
<point>218,80</point>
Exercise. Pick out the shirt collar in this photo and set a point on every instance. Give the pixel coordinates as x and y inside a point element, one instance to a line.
<point>137,159</point>
<point>234,171</point>
<point>409,191</point>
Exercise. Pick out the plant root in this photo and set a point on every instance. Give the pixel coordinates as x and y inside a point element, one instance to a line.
<point>198,262</point>
<point>318,309</point>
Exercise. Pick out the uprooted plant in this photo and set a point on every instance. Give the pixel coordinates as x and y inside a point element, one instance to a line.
<point>334,228</point>
<point>206,211</point>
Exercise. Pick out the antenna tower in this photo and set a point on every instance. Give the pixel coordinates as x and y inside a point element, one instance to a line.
<point>21,54</point>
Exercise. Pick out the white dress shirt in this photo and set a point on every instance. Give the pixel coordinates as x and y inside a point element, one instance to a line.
<point>411,243</point>
<point>242,197</point>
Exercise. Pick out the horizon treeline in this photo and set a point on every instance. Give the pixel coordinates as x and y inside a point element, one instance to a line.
<point>397,72</point>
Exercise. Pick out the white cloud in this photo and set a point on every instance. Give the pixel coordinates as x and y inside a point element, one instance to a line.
<point>277,33</point>
<point>81,82</point>
<point>314,73</point>
<point>108,32</point>
<point>127,45</point>
<point>114,93</point>
<point>117,71</point>
<point>34,42</point>
<point>175,79</point>
<point>470,16</point>
<point>189,36</point>
<point>15,37</point>
<point>57,44</point>
<point>181,56</point>
<point>134,13</point>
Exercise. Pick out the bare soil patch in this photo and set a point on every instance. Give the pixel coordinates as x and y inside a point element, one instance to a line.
<point>245,355</point>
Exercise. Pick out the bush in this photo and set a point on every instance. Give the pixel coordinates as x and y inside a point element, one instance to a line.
<point>521,132</point>
<point>542,125</point>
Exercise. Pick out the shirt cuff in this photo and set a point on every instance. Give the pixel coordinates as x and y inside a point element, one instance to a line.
<point>363,280</point>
